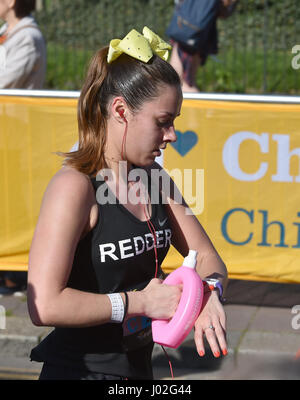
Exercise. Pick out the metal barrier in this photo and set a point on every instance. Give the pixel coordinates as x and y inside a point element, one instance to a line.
<point>248,98</point>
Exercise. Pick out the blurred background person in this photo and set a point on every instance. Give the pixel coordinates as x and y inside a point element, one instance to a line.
<point>194,36</point>
<point>22,47</point>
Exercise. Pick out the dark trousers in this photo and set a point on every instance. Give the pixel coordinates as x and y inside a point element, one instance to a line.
<point>58,372</point>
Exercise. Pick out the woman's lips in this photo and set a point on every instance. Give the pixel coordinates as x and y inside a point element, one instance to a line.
<point>157,153</point>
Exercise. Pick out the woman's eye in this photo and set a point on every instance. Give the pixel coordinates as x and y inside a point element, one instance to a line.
<point>164,124</point>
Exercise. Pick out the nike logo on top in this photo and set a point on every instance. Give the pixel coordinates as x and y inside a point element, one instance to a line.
<point>161,223</point>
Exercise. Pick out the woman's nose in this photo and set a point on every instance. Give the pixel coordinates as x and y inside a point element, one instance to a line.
<point>170,134</point>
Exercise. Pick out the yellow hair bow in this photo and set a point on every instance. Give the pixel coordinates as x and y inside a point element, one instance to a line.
<point>141,47</point>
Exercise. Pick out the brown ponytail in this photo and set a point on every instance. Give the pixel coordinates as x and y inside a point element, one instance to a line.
<point>135,81</point>
<point>89,158</point>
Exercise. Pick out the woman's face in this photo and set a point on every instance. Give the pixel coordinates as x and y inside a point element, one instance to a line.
<point>152,127</point>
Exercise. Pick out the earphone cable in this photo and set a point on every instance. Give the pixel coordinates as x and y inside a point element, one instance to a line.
<point>151,229</point>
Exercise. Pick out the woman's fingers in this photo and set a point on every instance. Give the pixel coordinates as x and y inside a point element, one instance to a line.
<point>215,335</point>
<point>209,332</point>
<point>216,338</point>
<point>161,300</point>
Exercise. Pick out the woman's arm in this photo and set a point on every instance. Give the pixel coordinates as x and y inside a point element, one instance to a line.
<point>188,233</point>
<point>67,212</point>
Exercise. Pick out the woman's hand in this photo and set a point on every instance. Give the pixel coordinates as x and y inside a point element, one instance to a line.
<point>160,300</point>
<point>211,323</point>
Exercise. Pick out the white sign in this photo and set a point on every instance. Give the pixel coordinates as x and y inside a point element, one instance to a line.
<point>284,153</point>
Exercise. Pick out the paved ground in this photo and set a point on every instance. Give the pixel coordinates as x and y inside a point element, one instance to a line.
<point>263,344</point>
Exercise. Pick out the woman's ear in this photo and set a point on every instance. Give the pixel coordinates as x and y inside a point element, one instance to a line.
<point>119,109</point>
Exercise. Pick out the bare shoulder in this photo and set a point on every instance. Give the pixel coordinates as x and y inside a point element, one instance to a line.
<point>70,182</point>
<point>69,188</point>
<point>70,178</point>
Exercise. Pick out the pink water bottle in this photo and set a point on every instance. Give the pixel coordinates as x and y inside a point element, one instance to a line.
<point>171,333</point>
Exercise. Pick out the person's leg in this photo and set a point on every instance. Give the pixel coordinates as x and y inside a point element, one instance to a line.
<point>190,84</point>
<point>186,66</point>
<point>175,61</point>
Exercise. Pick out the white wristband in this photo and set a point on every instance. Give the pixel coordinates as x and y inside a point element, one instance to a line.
<point>117,307</point>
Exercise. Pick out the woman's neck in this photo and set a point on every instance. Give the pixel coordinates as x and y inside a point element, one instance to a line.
<point>119,168</point>
<point>11,20</point>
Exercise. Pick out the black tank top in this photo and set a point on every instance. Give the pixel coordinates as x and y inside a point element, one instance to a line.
<point>116,255</point>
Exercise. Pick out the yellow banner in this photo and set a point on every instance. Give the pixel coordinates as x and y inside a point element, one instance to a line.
<point>250,157</point>
<point>238,164</point>
<point>31,131</point>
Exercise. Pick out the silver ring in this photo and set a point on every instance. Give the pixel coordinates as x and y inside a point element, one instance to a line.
<point>210,327</point>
